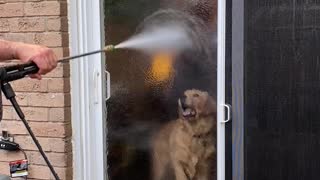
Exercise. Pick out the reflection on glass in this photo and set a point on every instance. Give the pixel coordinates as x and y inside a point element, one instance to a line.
<point>146,87</point>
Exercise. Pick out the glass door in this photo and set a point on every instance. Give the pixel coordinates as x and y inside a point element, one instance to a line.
<point>275,79</point>
<point>148,109</point>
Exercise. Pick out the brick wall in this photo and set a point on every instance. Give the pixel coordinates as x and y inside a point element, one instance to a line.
<point>46,103</point>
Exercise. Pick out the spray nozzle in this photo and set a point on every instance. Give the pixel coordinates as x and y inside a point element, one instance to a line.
<point>109,48</point>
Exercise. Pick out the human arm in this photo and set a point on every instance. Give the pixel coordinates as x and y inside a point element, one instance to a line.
<point>42,56</point>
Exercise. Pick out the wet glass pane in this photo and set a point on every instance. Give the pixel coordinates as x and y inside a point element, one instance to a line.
<point>145,89</point>
<point>282,89</point>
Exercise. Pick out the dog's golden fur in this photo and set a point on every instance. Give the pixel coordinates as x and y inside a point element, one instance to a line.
<point>188,144</point>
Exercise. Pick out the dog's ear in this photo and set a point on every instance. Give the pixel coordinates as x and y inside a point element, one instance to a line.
<point>210,107</point>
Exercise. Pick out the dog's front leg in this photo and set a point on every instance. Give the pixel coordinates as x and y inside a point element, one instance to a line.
<point>181,171</point>
<point>204,174</point>
<point>184,165</point>
<point>205,171</point>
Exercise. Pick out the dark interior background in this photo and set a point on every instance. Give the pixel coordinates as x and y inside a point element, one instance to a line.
<point>282,89</point>
<point>139,105</point>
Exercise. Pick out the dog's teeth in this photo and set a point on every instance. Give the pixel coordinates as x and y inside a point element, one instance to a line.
<point>186,113</point>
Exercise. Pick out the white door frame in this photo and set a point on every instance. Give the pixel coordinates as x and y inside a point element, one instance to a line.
<point>87,90</point>
<point>221,105</point>
<point>88,94</point>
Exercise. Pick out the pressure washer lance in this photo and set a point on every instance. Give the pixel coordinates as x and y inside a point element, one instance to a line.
<point>105,49</point>
<point>21,70</point>
<point>11,73</point>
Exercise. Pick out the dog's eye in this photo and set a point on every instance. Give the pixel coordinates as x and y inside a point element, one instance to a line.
<point>195,95</point>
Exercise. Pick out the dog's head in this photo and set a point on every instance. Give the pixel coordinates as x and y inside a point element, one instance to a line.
<point>196,104</point>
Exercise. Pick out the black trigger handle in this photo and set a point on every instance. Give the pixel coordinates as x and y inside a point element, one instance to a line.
<point>20,71</point>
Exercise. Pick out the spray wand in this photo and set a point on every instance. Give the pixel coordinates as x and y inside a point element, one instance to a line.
<point>11,73</point>
<point>15,72</point>
<point>105,49</point>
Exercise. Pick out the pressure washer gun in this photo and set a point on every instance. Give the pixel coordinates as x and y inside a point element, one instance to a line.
<point>15,72</point>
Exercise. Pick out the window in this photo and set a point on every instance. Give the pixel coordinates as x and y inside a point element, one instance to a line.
<point>146,88</point>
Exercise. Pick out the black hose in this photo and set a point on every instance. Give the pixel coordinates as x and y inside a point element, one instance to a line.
<point>9,93</point>
<point>22,117</point>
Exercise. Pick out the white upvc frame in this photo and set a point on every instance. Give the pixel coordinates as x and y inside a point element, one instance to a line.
<point>87,90</point>
<point>88,105</point>
<point>221,89</point>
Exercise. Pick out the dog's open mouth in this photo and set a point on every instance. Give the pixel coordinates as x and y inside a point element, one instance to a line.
<point>186,111</point>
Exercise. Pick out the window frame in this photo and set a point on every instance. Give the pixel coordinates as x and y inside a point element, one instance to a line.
<point>87,79</point>
<point>87,90</point>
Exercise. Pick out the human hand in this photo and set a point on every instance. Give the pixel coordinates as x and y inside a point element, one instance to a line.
<point>42,56</point>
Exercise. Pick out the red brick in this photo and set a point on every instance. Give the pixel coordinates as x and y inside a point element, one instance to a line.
<point>35,171</point>
<point>3,35</point>
<point>11,10</point>
<point>22,99</point>
<point>43,172</point>
<point>31,113</point>
<point>12,1</point>
<point>20,37</point>
<point>48,144</point>
<point>57,159</point>
<point>41,99</point>
<point>61,52</point>
<point>34,113</point>
<point>42,8</point>
<point>62,70</point>
<point>58,51</point>
<point>33,0</point>
<point>8,112</point>
<point>30,85</point>
<point>4,25</point>
<point>49,129</point>
<point>52,39</point>
<point>57,24</point>
<point>64,8</point>
<point>7,156</point>
<point>60,114</point>
<point>4,168</point>
<point>59,85</point>
<point>48,110</point>
<point>27,24</point>
<point>49,100</point>
<point>39,129</point>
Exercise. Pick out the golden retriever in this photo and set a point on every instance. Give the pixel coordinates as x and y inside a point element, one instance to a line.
<point>188,144</point>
